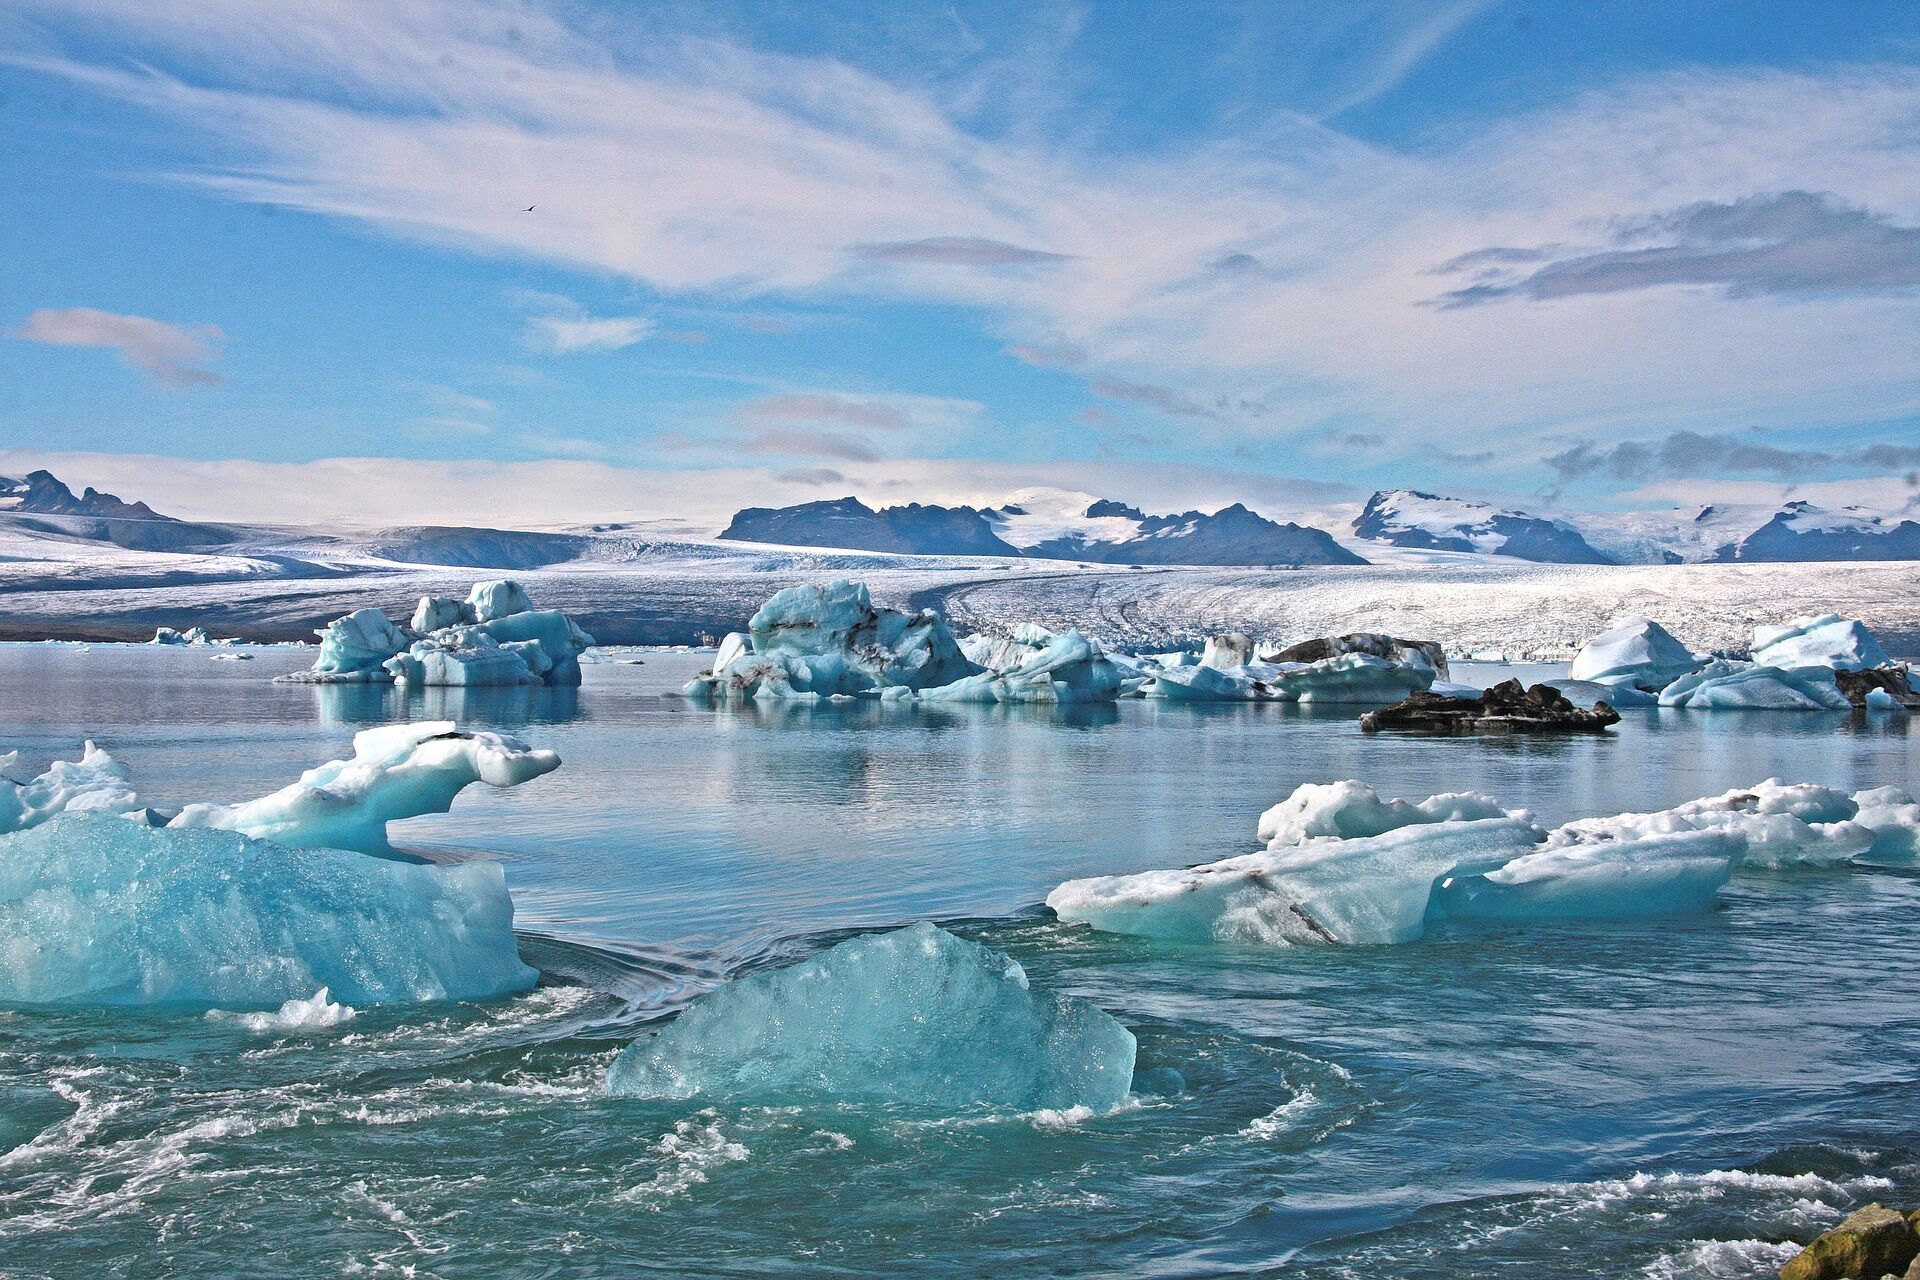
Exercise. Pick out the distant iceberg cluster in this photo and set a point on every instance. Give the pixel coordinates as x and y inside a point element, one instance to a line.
<point>493,637</point>
<point>916,1017</point>
<point>105,901</point>
<point>1817,663</point>
<point>1343,865</point>
<point>831,643</point>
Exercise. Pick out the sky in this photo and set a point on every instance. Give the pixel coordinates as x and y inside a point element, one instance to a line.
<point>542,262</point>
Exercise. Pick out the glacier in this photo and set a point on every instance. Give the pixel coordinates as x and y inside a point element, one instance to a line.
<point>397,771</point>
<point>493,637</point>
<point>101,911</point>
<point>1344,865</point>
<point>916,1017</point>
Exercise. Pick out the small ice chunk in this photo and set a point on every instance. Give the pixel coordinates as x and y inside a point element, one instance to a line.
<point>1346,809</point>
<point>1822,640</point>
<point>1666,874</point>
<point>317,1012</point>
<point>398,771</point>
<point>95,783</point>
<point>916,1017</point>
<point>1617,694</point>
<point>1636,651</point>
<point>101,911</point>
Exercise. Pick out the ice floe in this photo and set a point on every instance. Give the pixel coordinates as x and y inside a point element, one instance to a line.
<point>916,1017</point>
<point>318,1012</point>
<point>99,910</point>
<point>397,771</point>
<point>1344,865</point>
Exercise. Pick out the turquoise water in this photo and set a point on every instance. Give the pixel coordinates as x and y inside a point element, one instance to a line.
<point>1655,1098</point>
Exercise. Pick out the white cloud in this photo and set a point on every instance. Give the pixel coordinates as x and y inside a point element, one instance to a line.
<point>703,168</point>
<point>168,353</point>
<point>564,327</point>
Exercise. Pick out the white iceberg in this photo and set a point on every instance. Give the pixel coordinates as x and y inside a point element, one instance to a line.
<point>1823,640</point>
<point>1225,652</point>
<point>356,646</point>
<point>1359,678</point>
<point>1737,686</point>
<point>95,783</point>
<point>191,636</point>
<point>1635,651</point>
<point>1343,865</point>
<point>998,652</point>
<point>829,641</point>
<point>1584,693</point>
<point>1070,668</point>
<point>318,1012</point>
<point>102,911</point>
<point>398,771</point>
<point>915,1017</point>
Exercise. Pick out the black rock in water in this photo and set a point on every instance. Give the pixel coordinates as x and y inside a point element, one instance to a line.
<point>1896,679</point>
<point>1505,708</point>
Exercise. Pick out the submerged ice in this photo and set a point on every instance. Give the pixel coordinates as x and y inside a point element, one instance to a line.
<point>1344,865</point>
<point>917,1017</point>
<point>99,910</point>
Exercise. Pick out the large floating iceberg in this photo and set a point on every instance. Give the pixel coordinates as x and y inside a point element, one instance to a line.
<point>1068,668</point>
<point>1727,685</point>
<point>99,910</point>
<point>830,641</point>
<point>493,637</point>
<point>1826,640</point>
<point>1361,668</point>
<point>915,1017</point>
<point>1344,865</point>
<point>399,771</point>
<point>1635,651</point>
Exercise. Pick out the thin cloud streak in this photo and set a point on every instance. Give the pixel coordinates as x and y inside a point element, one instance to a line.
<point>168,353</point>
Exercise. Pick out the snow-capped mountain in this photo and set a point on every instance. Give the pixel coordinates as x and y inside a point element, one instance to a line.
<point>1409,518</point>
<point>1802,531</point>
<point>1045,524</point>
<point>41,501</point>
<point>852,525</point>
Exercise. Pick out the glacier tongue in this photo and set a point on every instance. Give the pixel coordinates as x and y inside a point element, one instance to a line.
<point>99,911</point>
<point>917,1017</point>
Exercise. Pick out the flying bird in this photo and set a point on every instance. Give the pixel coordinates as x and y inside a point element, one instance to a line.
<point>530,208</point>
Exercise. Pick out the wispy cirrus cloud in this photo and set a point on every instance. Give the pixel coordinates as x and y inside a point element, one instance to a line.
<point>824,407</point>
<point>1791,242</point>
<point>1276,278</point>
<point>172,354</point>
<point>562,326</point>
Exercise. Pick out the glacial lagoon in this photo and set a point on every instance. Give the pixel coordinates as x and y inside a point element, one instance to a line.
<point>1664,1097</point>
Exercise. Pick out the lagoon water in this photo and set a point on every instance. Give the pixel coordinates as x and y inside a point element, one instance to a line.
<point>1651,1098</point>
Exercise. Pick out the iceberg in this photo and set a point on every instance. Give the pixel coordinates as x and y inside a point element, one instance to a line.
<point>493,637</point>
<point>397,771</point>
<point>1584,693</point>
<point>829,641</point>
<point>1225,652</point>
<point>192,635</point>
<point>1635,651</point>
<point>95,783</point>
<point>1204,684</point>
<point>998,652</point>
<point>102,911</point>
<point>916,1017</point>
<point>1348,678</point>
<point>1070,668</point>
<point>1823,640</point>
<point>1344,865</point>
<point>1737,686</point>
<point>355,646</point>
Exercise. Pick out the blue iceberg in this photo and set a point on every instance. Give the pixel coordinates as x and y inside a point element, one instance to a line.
<point>493,637</point>
<point>916,1017</point>
<point>104,911</point>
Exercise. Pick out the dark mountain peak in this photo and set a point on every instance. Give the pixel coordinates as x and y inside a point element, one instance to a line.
<point>43,493</point>
<point>1107,507</point>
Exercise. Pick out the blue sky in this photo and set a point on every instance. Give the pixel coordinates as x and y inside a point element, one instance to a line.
<point>1176,254</point>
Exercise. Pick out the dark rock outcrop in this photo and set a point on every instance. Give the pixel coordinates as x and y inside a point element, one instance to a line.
<point>1868,1244</point>
<point>41,501</point>
<point>1896,679</point>
<point>1802,531</point>
<point>1505,708</point>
